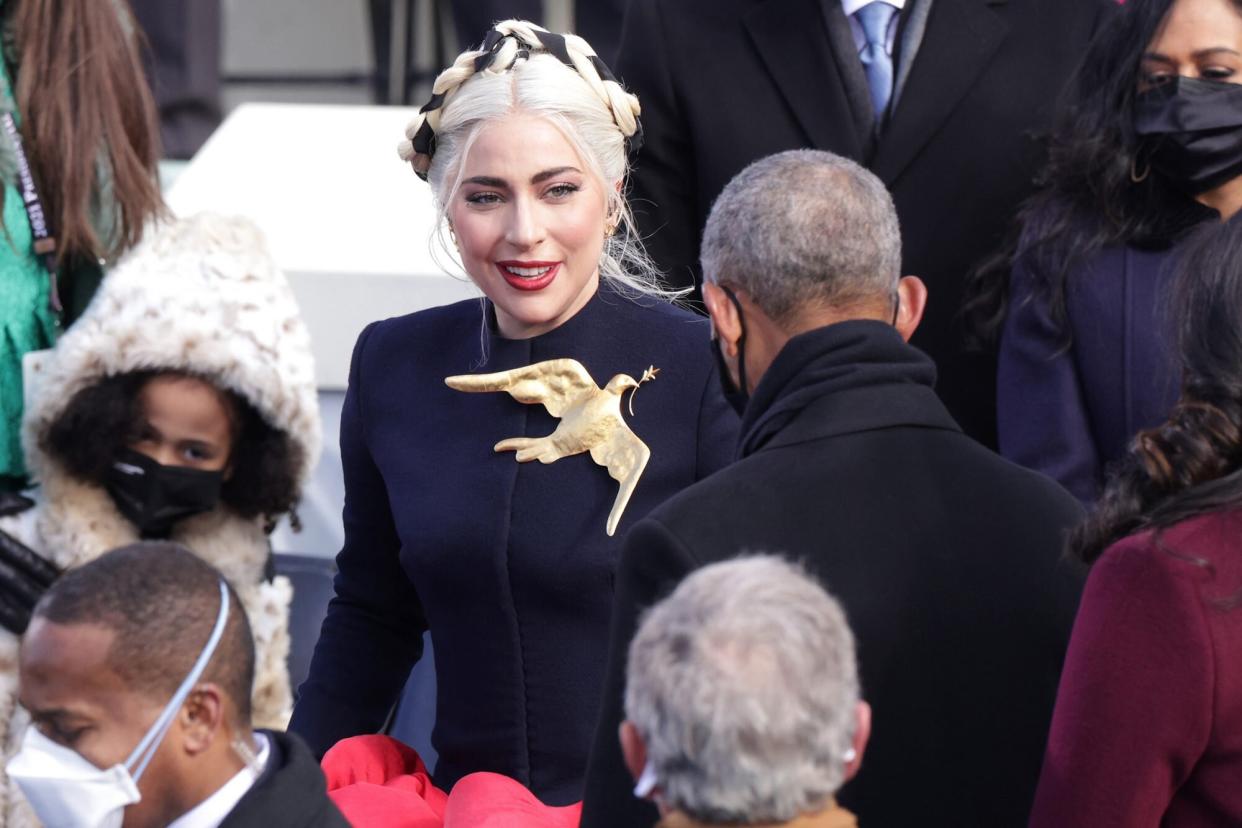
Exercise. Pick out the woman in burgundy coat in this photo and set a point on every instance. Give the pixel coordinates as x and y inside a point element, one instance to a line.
<point>1148,722</point>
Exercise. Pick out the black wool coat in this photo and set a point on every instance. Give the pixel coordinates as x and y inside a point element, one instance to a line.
<point>727,82</point>
<point>946,557</point>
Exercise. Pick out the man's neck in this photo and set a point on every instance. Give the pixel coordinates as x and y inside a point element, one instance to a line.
<point>831,816</point>
<point>813,318</point>
<point>214,769</point>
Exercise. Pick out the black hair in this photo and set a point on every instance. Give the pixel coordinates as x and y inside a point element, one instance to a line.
<point>161,602</point>
<point>100,420</point>
<point>1192,463</point>
<point>1097,187</point>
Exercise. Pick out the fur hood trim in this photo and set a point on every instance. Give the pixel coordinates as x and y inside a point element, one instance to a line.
<point>200,295</point>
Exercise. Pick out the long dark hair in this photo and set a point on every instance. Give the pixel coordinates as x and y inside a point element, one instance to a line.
<point>88,121</point>
<point>1192,463</point>
<point>1088,196</point>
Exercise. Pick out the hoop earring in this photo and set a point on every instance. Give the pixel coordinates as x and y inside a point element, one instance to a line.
<point>1134,176</point>
<point>453,237</point>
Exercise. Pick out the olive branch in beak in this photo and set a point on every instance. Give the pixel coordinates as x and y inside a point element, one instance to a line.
<point>648,375</point>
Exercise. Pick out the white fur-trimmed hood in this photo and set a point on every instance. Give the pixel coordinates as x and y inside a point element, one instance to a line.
<point>199,295</point>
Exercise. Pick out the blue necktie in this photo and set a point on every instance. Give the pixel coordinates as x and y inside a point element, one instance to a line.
<point>874,18</point>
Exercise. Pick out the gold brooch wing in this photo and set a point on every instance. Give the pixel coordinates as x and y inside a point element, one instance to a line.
<point>555,384</point>
<point>590,419</point>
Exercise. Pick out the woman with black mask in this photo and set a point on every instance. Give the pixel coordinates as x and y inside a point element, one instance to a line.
<point>182,405</point>
<point>1148,147</point>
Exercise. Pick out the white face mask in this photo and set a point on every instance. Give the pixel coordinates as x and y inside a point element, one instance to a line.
<point>67,791</point>
<point>647,781</point>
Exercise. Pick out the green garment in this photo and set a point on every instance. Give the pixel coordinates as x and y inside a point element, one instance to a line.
<point>27,322</point>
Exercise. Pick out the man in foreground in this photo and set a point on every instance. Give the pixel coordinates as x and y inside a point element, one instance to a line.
<point>741,700</point>
<point>945,556</point>
<point>136,670</point>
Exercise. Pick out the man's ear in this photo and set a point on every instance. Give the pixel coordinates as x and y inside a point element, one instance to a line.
<point>201,718</point>
<point>862,732</point>
<point>633,748</point>
<point>912,300</point>
<point>724,317</point>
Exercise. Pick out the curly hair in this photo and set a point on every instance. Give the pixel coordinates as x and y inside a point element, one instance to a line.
<point>1192,463</point>
<point>100,421</point>
<point>1088,194</point>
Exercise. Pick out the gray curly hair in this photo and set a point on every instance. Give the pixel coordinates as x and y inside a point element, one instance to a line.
<point>743,685</point>
<point>819,229</point>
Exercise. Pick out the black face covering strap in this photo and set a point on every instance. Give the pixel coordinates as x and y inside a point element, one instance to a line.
<point>1192,131</point>
<point>741,340</point>
<point>736,395</point>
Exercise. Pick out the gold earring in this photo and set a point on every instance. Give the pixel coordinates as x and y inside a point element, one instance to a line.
<point>1134,176</point>
<point>453,236</point>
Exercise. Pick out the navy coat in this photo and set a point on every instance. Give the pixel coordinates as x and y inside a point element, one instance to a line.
<point>507,564</point>
<point>1071,411</point>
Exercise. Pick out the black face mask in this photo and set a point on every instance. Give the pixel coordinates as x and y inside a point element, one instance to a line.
<point>155,497</point>
<point>735,396</point>
<point>1192,131</point>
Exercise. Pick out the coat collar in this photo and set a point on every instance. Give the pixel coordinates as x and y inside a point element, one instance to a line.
<point>793,43</point>
<point>961,38</point>
<point>845,378</point>
<point>833,816</point>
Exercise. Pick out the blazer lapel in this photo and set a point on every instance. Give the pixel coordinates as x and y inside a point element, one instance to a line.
<point>961,38</point>
<point>791,40</point>
<point>850,71</point>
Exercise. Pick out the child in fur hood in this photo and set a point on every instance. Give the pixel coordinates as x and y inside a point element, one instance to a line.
<point>181,405</point>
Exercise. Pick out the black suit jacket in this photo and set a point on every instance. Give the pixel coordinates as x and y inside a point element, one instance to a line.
<point>725,82</point>
<point>946,557</point>
<point>291,793</point>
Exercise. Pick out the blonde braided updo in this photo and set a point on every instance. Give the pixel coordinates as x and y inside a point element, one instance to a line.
<point>508,42</point>
<point>524,68</point>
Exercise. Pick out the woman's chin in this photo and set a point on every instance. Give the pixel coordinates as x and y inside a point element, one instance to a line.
<point>527,315</point>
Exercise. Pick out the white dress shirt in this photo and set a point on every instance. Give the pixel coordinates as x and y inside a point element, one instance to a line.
<point>860,39</point>
<point>211,811</point>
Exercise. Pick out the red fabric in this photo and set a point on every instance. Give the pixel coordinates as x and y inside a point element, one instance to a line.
<point>490,800</point>
<point>378,782</point>
<point>1148,721</point>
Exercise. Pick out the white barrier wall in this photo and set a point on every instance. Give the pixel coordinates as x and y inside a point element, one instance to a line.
<point>347,220</point>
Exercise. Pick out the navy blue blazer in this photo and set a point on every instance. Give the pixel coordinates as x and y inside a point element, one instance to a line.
<point>507,564</point>
<point>1071,411</point>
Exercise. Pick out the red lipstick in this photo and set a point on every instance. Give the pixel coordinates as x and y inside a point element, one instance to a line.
<point>528,276</point>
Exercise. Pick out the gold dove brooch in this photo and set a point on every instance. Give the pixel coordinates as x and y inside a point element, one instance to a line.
<point>590,418</point>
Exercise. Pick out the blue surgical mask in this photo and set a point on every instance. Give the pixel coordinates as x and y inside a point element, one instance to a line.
<point>67,791</point>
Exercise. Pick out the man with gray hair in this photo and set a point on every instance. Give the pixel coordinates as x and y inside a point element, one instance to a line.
<point>742,703</point>
<point>945,556</point>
